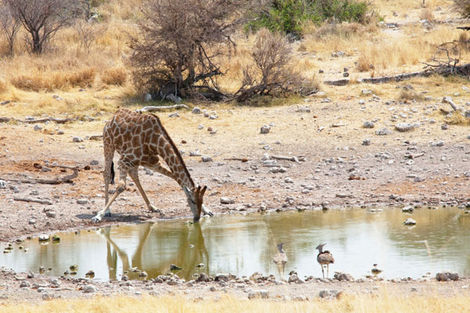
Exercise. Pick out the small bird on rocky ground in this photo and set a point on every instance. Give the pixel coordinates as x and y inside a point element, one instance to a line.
<point>280,259</point>
<point>375,270</point>
<point>324,258</point>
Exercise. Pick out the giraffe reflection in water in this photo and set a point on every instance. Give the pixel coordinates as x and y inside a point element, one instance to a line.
<point>152,256</point>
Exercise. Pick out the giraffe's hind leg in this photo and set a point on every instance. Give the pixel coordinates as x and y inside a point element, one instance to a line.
<point>133,173</point>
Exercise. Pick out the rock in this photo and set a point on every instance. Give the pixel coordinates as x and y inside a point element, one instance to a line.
<point>408,209</point>
<point>343,276</point>
<point>206,158</point>
<point>404,127</point>
<point>444,127</point>
<point>37,127</point>
<point>44,237</point>
<point>175,114</point>
<point>25,284</point>
<point>368,124</point>
<point>174,267</point>
<point>57,97</point>
<point>366,92</point>
<point>258,294</point>
<point>288,180</point>
<point>143,274</point>
<point>196,110</point>
<point>147,97</point>
<point>383,132</point>
<point>82,201</point>
<point>51,214</point>
<point>203,277</point>
<point>32,221</point>
<point>366,142</point>
<point>174,98</point>
<point>94,162</point>
<point>439,143</point>
<point>77,139</point>
<point>409,221</point>
<point>226,200</point>
<point>445,276</point>
<point>265,129</point>
<point>89,289</point>
<point>3,184</point>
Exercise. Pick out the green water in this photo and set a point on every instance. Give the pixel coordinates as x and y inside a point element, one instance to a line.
<point>242,245</point>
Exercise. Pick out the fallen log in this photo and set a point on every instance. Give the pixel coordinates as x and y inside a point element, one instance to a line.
<point>152,108</point>
<point>288,158</point>
<point>41,201</point>
<point>51,181</point>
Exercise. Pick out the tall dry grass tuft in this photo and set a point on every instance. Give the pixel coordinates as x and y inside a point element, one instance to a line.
<point>54,80</point>
<point>114,76</point>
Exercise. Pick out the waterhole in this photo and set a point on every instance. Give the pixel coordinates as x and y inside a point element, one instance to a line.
<point>242,245</point>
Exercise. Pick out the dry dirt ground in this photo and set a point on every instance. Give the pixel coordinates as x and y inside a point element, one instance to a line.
<point>426,166</point>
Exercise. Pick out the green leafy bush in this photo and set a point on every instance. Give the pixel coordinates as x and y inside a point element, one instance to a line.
<point>288,16</point>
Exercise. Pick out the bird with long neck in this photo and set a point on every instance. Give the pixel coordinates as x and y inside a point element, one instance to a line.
<point>325,258</point>
<point>141,140</point>
<point>280,259</point>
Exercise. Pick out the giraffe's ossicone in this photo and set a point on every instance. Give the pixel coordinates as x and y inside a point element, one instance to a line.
<point>141,140</point>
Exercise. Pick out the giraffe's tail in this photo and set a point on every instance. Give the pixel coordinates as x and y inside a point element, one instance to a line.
<point>112,173</point>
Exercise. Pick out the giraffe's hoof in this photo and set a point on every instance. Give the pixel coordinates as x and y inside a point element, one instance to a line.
<point>155,210</point>
<point>96,219</point>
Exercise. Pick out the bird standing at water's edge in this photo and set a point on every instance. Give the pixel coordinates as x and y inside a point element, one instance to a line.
<point>280,259</point>
<point>375,270</point>
<point>324,258</point>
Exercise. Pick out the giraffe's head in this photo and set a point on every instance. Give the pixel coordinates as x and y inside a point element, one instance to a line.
<point>195,197</point>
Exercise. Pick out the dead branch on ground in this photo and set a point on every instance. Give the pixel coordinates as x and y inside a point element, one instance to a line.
<point>51,181</point>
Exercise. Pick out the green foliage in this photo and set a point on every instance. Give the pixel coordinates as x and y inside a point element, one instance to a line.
<point>288,16</point>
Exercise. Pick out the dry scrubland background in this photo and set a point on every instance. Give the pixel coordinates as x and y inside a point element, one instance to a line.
<point>92,74</point>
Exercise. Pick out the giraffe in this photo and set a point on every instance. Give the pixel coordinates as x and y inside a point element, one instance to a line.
<point>141,139</point>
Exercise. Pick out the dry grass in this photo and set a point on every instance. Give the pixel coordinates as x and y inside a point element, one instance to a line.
<point>102,70</point>
<point>363,303</point>
<point>114,76</point>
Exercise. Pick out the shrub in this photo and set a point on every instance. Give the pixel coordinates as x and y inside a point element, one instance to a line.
<point>271,74</point>
<point>288,16</point>
<point>463,6</point>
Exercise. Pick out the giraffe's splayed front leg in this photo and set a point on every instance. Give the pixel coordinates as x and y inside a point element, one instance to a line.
<point>206,211</point>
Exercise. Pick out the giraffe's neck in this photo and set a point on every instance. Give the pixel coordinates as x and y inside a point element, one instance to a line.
<point>172,157</point>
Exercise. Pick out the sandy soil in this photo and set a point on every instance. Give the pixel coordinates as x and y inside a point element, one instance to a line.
<point>427,166</point>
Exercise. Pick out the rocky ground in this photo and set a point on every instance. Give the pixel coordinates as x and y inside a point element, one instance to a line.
<point>361,151</point>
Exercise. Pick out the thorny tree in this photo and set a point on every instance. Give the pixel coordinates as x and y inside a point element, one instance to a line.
<point>179,43</point>
<point>9,26</point>
<point>43,18</point>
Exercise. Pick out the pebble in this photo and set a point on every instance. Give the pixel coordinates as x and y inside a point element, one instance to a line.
<point>226,200</point>
<point>77,139</point>
<point>368,124</point>
<point>409,221</point>
<point>383,132</point>
<point>196,110</point>
<point>3,184</point>
<point>265,129</point>
<point>408,209</point>
<point>89,289</point>
<point>206,159</point>
<point>82,201</point>
<point>366,142</point>
<point>404,127</point>
<point>258,294</point>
